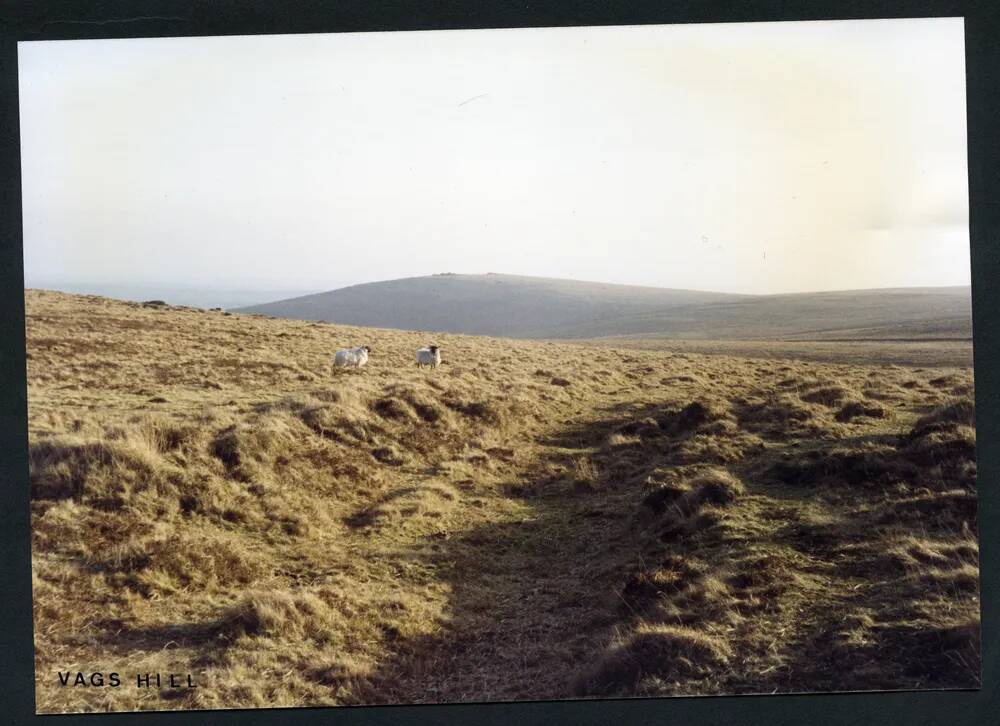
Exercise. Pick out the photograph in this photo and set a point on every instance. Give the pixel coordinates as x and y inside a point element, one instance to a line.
<point>499,365</point>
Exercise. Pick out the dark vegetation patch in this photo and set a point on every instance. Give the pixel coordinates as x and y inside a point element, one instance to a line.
<point>645,588</point>
<point>426,409</point>
<point>831,396</point>
<point>779,416</point>
<point>388,455</point>
<point>856,409</point>
<point>691,506</point>
<point>952,509</point>
<point>663,496</point>
<point>869,465</point>
<point>693,416</point>
<point>939,451</point>
<point>392,408</point>
<point>486,411</point>
<point>960,412</point>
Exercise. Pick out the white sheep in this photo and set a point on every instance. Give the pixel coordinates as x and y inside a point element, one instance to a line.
<point>352,358</point>
<point>429,356</point>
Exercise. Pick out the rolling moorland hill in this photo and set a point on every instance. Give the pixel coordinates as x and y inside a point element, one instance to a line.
<point>531,520</point>
<point>491,304</point>
<point>533,307</point>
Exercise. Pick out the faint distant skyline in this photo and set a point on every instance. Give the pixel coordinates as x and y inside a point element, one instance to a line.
<point>751,158</point>
<point>176,294</point>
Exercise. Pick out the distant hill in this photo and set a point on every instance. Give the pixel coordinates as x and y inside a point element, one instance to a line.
<point>202,296</point>
<point>535,307</point>
<point>492,304</point>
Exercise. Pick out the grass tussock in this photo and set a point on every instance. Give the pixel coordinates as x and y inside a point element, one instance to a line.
<point>298,615</point>
<point>961,411</point>
<point>672,655</point>
<point>937,452</point>
<point>831,396</point>
<point>685,507</point>
<point>163,562</point>
<point>855,409</point>
<point>702,413</point>
<point>780,413</point>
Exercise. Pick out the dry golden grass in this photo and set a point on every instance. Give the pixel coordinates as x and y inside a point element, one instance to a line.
<point>860,351</point>
<point>531,520</point>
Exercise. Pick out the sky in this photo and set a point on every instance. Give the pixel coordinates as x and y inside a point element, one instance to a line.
<point>746,157</point>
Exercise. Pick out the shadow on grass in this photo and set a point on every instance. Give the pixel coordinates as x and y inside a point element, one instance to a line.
<point>534,602</point>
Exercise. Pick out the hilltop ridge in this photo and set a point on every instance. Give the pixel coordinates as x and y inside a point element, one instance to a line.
<point>537,307</point>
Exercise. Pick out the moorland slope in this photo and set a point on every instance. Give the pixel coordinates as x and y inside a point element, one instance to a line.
<point>530,520</point>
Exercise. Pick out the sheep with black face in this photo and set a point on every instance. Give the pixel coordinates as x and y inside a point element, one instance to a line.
<point>429,356</point>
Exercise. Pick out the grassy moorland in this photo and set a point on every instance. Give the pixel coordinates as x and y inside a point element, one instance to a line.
<point>912,353</point>
<point>531,520</point>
